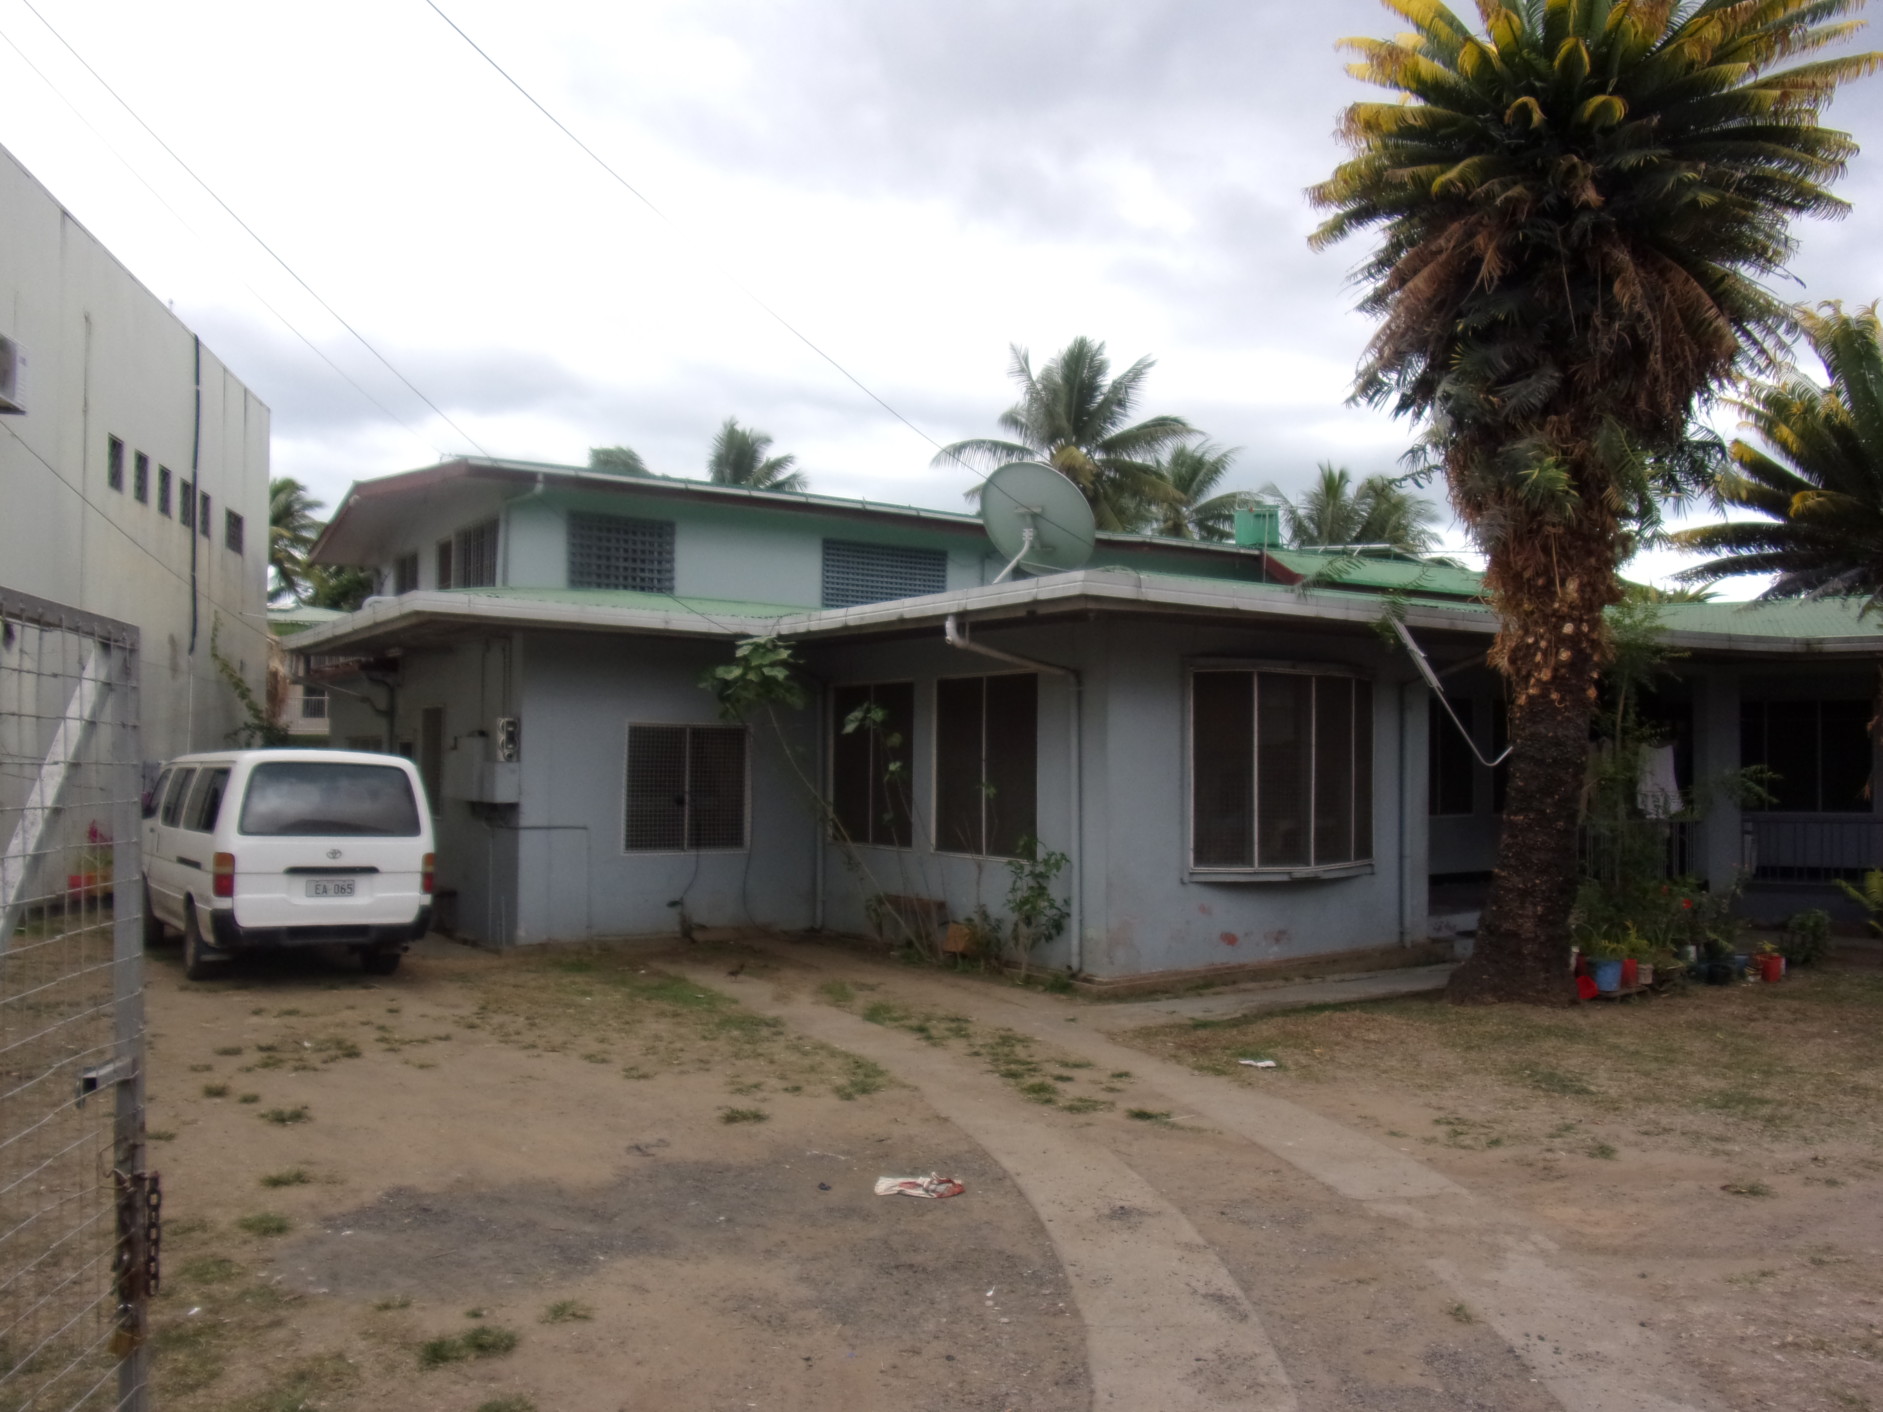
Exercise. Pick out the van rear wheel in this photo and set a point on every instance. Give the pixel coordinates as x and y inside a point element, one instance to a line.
<point>196,963</point>
<point>380,960</point>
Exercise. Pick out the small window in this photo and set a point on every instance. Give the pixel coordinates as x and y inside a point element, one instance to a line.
<point>172,814</point>
<point>685,789</point>
<point>313,703</point>
<point>986,754</point>
<point>405,573</point>
<point>202,513</point>
<point>140,478</point>
<point>1451,769</point>
<point>876,573</point>
<point>1281,769</point>
<point>475,559</point>
<point>307,799</point>
<point>114,463</point>
<point>153,801</point>
<point>1819,753</point>
<point>444,563</point>
<point>870,754</point>
<point>614,551</point>
<point>206,801</point>
<point>232,530</point>
<point>163,490</point>
<point>186,505</point>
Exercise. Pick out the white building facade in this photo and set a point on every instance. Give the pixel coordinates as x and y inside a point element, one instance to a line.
<point>134,472</point>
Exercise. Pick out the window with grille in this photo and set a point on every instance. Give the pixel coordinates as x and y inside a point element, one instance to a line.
<point>685,789</point>
<point>114,463</point>
<point>476,556</point>
<point>405,573</point>
<point>870,753</point>
<point>876,573</point>
<point>163,490</point>
<point>986,755</point>
<point>232,529</point>
<point>186,505</point>
<point>1281,769</point>
<point>202,513</point>
<point>1819,753</point>
<point>444,563</point>
<point>614,551</point>
<point>140,478</point>
<point>313,703</point>
<point>1451,773</point>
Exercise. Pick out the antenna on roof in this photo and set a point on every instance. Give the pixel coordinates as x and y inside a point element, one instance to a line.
<point>1037,518</point>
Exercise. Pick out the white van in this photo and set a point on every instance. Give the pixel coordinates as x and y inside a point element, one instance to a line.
<point>272,848</point>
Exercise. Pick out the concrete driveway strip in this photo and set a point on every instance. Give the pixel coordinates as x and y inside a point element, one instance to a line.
<point>1166,1326</point>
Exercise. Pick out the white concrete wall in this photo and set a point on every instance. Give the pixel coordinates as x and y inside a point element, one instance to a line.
<point>107,358</point>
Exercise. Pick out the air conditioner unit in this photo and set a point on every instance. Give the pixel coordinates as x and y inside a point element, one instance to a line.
<point>12,377</point>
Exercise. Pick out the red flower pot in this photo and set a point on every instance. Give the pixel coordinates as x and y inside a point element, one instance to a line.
<point>1771,968</point>
<point>1630,971</point>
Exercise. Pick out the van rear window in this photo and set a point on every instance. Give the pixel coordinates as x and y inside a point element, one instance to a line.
<point>302,798</point>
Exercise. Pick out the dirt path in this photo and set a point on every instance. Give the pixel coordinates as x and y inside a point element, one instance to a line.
<point>1423,1255</point>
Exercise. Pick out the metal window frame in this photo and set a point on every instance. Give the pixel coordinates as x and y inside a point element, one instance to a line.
<point>830,757</point>
<point>1291,872</point>
<point>934,761</point>
<point>745,844</point>
<point>928,556</point>
<point>666,531</point>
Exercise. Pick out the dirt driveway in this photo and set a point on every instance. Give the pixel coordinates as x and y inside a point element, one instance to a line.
<point>622,1180</point>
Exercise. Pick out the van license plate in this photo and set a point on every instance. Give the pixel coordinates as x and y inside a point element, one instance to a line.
<point>334,887</point>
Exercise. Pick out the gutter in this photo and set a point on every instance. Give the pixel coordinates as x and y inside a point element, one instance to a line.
<point>955,631</point>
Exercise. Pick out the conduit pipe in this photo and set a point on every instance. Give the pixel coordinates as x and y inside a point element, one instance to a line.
<point>955,630</point>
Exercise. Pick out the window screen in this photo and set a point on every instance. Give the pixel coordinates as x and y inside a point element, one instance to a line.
<point>1819,753</point>
<point>614,551</point>
<point>986,759</point>
<point>232,530</point>
<point>870,762</point>
<point>875,573</point>
<point>186,504</point>
<point>685,789</point>
<point>114,463</point>
<point>140,478</point>
<point>202,513</point>
<point>163,490</point>
<point>1281,769</point>
<point>476,560</point>
<point>1450,768</point>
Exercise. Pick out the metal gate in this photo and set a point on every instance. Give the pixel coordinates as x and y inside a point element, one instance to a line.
<point>77,1209</point>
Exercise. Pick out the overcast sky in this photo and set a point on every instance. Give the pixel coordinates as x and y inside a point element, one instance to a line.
<point>913,186</point>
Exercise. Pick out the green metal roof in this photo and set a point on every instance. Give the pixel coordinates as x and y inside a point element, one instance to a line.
<point>1775,617</point>
<point>1334,568</point>
<point>627,598</point>
<point>285,622</point>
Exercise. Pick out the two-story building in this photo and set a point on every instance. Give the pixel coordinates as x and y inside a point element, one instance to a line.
<point>1232,749</point>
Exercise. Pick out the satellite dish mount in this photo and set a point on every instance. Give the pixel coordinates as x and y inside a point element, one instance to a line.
<point>1037,518</point>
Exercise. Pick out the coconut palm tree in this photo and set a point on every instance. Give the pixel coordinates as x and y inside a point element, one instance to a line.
<point>1376,512</point>
<point>1573,211</point>
<point>738,458</point>
<point>292,530</point>
<point>1819,486</point>
<point>1076,417</point>
<point>621,460</point>
<point>1194,513</point>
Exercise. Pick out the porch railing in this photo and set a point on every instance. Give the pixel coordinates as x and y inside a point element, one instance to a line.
<point>1601,849</point>
<point>1814,849</point>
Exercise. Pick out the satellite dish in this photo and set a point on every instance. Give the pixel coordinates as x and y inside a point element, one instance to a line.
<point>1037,518</point>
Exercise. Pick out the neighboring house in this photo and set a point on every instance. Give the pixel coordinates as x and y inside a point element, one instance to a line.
<point>303,705</point>
<point>133,468</point>
<point>1238,761</point>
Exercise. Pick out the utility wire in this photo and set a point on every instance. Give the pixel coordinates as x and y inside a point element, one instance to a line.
<point>338,318</point>
<point>181,220</point>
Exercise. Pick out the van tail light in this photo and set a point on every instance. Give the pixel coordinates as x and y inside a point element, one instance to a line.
<point>425,873</point>
<point>223,871</point>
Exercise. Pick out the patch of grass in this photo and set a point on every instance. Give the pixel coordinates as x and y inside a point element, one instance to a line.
<point>1148,1115</point>
<point>1545,1080</point>
<point>490,1341</point>
<point>292,1176</point>
<point>284,1116</point>
<point>1084,1105</point>
<point>507,1404</point>
<point>215,1090</point>
<point>1752,1188</point>
<point>436,1352</point>
<point>1040,1091</point>
<point>397,1301</point>
<point>286,1014</point>
<point>208,1270</point>
<point>564,1311</point>
<point>475,1313</point>
<point>249,1098</point>
<point>744,1115</point>
<point>837,992</point>
<point>202,1068</point>
<point>1602,1150</point>
<point>309,1384</point>
<point>1121,1073</point>
<point>1462,1314</point>
<point>160,1135</point>
<point>188,1359</point>
<point>865,1077</point>
<point>264,1223</point>
<point>883,1012</point>
<point>228,1051</point>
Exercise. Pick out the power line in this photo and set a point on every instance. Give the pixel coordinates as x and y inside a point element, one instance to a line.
<point>184,222</point>
<point>314,294</point>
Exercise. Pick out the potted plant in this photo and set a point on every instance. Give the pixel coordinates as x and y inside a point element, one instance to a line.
<point>1606,957</point>
<point>1806,938</point>
<point>1771,962</point>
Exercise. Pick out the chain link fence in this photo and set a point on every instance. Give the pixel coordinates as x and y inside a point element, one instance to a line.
<point>77,1208</point>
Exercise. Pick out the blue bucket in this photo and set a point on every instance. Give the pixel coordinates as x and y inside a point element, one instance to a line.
<point>1608,976</point>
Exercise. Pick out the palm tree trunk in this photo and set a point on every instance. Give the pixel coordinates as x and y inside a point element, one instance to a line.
<point>1551,592</point>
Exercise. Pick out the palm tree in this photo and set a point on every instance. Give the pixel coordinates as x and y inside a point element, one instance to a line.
<point>292,530</point>
<point>1377,512</point>
<point>620,460</point>
<point>1820,486</point>
<point>1192,473</point>
<point>1573,213</point>
<point>1077,418</point>
<point>738,458</point>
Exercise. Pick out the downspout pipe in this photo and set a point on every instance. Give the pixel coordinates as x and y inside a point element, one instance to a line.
<point>955,630</point>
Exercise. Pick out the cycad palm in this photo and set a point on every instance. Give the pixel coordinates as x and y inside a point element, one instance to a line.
<point>1574,212</point>
<point>738,458</point>
<point>292,529</point>
<point>1376,512</point>
<point>1076,417</point>
<point>1820,485</point>
<point>1193,472</point>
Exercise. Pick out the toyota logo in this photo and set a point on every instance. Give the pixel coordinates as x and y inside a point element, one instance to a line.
<point>333,853</point>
